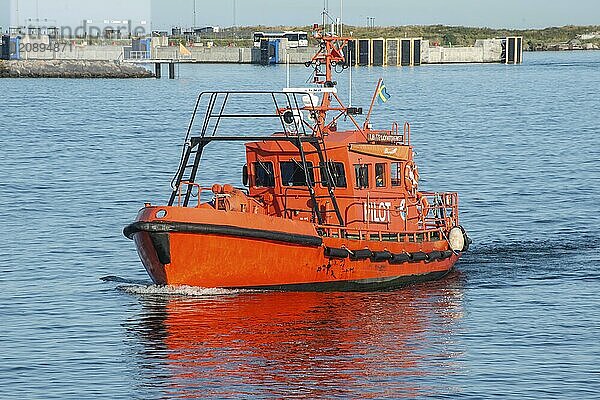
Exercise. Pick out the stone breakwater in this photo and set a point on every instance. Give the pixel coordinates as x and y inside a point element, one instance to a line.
<point>71,69</point>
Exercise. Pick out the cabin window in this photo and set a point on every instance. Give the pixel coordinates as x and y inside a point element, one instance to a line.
<point>396,174</point>
<point>380,175</point>
<point>293,174</point>
<point>362,175</point>
<point>338,173</point>
<point>263,174</point>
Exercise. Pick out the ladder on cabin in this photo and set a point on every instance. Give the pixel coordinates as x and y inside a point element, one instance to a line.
<point>323,167</point>
<point>186,174</point>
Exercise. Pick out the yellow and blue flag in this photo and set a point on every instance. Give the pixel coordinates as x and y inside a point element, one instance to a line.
<point>382,94</point>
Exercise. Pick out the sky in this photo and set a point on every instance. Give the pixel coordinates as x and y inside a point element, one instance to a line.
<point>164,14</point>
<point>73,12</point>
<point>4,14</point>
<point>492,13</point>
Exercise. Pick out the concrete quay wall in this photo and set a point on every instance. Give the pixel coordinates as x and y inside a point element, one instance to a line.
<point>484,51</point>
<point>233,55</point>
<point>236,55</point>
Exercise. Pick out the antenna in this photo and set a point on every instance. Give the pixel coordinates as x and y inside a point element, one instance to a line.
<point>334,23</point>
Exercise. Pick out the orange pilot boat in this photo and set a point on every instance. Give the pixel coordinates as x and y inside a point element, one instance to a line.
<point>323,208</point>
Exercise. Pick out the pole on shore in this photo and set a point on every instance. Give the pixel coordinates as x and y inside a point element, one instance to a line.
<point>194,27</point>
<point>350,61</point>
<point>341,17</point>
<point>287,66</point>
<point>234,13</point>
<point>17,15</point>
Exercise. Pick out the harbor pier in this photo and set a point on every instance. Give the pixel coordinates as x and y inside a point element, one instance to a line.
<point>43,56</point>
<point>361,52</point>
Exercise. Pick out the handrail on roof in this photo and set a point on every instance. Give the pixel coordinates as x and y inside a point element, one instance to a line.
<point>282,101</point>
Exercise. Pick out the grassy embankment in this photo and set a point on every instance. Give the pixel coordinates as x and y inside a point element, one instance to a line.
<point>540,39</point>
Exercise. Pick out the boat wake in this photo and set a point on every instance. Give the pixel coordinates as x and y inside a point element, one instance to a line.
<point>176,291</point>
<point>517,263</point>
<point>555,247</point>
<point>145,288</point>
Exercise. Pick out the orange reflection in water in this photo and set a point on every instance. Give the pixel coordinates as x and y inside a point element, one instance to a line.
<point>310,345</point>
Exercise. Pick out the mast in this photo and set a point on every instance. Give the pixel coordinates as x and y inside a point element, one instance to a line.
<point>330,54</point>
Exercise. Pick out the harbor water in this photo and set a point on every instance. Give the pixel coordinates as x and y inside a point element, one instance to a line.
<point>519,318</point>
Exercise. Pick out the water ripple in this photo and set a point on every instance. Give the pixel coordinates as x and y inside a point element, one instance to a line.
<point>517,319</point>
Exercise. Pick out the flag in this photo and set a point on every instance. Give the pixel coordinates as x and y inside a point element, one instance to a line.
<point>382,94</point>
<point>184,51</point>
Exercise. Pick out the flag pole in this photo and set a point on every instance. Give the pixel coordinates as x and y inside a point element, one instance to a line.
<point>372,103</point>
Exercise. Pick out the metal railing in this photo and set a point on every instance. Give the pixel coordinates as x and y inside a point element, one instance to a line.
<point>139,55</point>
<point>205,127</point>
<point>434,210</point>
<point>376,235</point>
<point>192,185</point>
<point>439,210</point>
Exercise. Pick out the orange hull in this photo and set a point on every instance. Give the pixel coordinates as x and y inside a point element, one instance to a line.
<point>209,248</point>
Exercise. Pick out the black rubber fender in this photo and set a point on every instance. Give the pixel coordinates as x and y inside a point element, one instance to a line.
<point>380,256</point>
<point>468,242</point>
<point>400,259</point>
<point>362,254</point>
<point>447,254</point>
<point>331,252</point>
<point>162,246</point>
<point>435,256</point>
<point>418,256</point>
<point>225,230</point>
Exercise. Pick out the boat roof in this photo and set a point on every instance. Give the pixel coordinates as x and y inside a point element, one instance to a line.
<point>351,140</point>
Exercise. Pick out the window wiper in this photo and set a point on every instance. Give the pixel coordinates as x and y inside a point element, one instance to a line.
<point>298,164</point>
<point>264,167</point>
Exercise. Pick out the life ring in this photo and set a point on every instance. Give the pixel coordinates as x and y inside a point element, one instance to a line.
<point>411,176</point>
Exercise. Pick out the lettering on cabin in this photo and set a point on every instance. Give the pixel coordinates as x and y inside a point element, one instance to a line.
<point>377,212</point>
<point>378,137</point>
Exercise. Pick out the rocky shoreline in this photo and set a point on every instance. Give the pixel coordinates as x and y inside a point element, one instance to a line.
<point>74,69</point>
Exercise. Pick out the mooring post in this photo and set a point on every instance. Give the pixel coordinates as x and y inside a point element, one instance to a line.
<point>172,70</point>
<point>157,70</point>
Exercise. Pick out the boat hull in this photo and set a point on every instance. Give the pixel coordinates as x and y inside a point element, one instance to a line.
<point>210,249</point>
